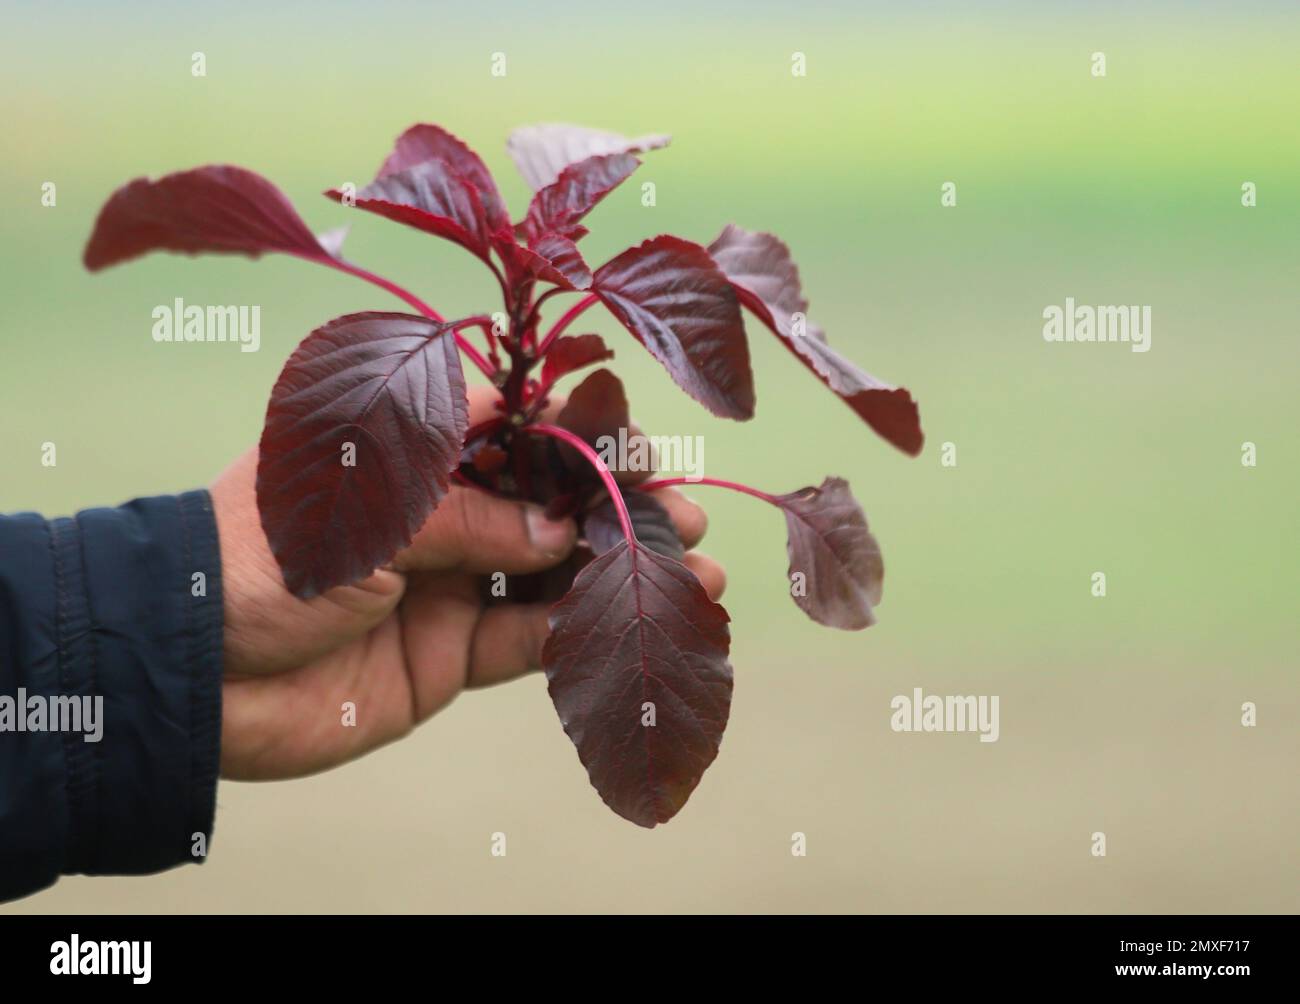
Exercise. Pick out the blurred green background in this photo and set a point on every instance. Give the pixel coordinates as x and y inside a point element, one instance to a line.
<point>1118,714</point>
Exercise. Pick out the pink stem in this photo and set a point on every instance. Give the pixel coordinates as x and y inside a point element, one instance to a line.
<point>531,318</point>
<point>543,389</point>
<point>568,318</point>
<point>477,321</point>
<point>487,425</point>
<point>391,287</point>
<point>485,323</point>
<point>650,486</point>
<point>611,486</point>
<point>475,356</point>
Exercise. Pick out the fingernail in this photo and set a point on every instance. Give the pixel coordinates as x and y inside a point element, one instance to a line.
<point>550,536</point>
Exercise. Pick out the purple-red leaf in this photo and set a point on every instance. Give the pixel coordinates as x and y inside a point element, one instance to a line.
<point>597,407</point>
<point>573,352</point>
<point>364,428</point>
<point>559,206</point>
<point>541,152</point>
<point>651,523</point>
<point>638,641</point>
<point>669,293</point>
<point>567,261</point>
<point>549,257</point>
<point>426,142</point>
<point>432,197</point>
<point>217,208</point>
<point>767,281</point>
<point>836,571</point>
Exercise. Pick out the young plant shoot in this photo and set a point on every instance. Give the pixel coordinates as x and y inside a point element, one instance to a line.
<point>367,426</point>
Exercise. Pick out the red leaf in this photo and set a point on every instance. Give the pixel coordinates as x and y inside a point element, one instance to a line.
<point>597,407</point>
<point>669,293</point>
<point>560,205</point>
<point>217,208</point>
<point>389,384</point>
<point>549,257</point>
<point>636,635</point>
<point>830,546</point>
<point>429,196</point>
<point>541,152</point>
<point>651,523</point>
<point>767,280</point>
<point>572,352</point>
<point>522,265</point>
<point>562,253</point>
<point>425,142</point>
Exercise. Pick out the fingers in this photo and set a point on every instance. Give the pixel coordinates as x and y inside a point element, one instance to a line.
<point>482,403</point>
<point>473,531</point>
<point>296,723</point>
<point>451,642</point>
<point>439,616</point>
<point>479,533</point>
<point>508,642</point>
<point>709,572</point>
<point>689,520</point>
<point>509,638</point>
<point>267,629</point>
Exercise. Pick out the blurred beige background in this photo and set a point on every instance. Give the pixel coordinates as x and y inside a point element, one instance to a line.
<point>1199,813</point>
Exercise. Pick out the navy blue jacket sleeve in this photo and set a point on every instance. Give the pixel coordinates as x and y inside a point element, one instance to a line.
<point>110,690</point>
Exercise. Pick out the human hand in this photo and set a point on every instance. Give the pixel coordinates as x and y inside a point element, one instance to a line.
<point>399,645</point>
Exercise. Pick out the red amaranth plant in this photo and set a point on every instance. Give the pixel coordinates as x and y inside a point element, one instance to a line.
<point>635,629</point>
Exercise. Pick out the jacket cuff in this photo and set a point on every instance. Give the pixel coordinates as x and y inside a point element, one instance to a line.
<point>139,624</point>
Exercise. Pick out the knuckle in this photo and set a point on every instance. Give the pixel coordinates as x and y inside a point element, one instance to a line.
<point>467,520</point>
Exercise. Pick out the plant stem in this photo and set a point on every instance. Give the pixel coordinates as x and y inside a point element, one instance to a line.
<point>611,486</point>
<point>477,321</point>
<point>392,287</point>
<point>475,356</point>
<point>501,281</point>
<point>568,318</point>
<point>483,322</point>
<point>735,486</point>
<point>484,427</point>
<point>532,316</point>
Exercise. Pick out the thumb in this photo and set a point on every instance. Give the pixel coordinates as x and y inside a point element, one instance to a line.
<point>472,531</point>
